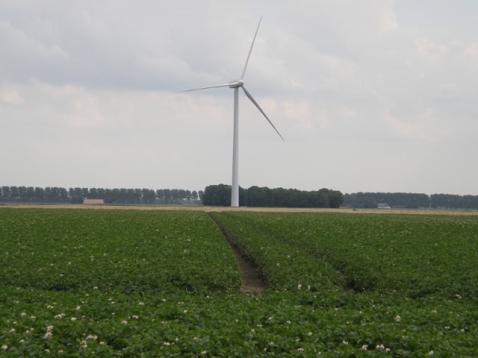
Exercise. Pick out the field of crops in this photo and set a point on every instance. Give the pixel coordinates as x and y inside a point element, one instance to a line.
<point>132,283</point>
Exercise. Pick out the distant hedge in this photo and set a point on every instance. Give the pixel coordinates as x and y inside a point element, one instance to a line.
<point>220,195</point>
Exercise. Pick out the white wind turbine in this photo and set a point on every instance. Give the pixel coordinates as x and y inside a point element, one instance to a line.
<point>236,84</point>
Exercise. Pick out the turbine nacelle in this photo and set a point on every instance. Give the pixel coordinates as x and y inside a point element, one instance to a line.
<point>236,84</point>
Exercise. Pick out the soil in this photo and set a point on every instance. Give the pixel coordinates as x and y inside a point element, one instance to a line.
<point>251,279</point>
<point>245,208</point>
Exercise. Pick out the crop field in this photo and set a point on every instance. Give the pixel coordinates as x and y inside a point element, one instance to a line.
<point>129,283</point>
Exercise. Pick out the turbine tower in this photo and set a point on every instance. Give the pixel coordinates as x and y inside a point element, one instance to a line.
<point>236,84</point>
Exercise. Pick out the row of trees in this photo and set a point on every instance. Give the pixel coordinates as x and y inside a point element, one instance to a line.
<point>410,200</point>
<point>220,195</point>
<point>120,196</point>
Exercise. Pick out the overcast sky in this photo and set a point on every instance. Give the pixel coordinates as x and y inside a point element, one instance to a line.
<point>373,95</point>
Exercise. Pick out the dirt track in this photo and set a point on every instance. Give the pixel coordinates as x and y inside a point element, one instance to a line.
<point>242,208</point>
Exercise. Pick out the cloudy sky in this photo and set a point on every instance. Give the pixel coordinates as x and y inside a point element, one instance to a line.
<point>373,95</point>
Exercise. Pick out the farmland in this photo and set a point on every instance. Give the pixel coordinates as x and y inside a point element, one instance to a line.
<point>131,283</point>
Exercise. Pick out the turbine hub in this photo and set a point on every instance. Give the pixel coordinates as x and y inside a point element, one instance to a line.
<point>236,84</point>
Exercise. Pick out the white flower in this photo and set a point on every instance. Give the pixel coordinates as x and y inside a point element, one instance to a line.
<point>299,286</point>
<point>430,353</point>
<point>49,328</point>
<point>141,303</point>
<point>102,343</point>
<point>300,349</point>
<point>48,335</point>
<point>345,342</point>
<point>59,316</point>
<point>95,288</point>
<point>4,347</point>
<point>398,318</point>
<point>167,343</point>
<point>73,319</point>
<point>12,330</point>
<point>381,346</point>
<point>92,337</point>
<point>203,352</point>
<point>23,314</point>
<point>135,317</point>
<point>124,322</point>
<point>364,347</point>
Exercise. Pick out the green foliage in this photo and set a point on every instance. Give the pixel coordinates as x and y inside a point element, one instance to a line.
<point>284,266</point>
<point>128,250</point>
<point>416,254</point>
<point>220,195</point>
<point>167,285</point>
<point>77,200</point>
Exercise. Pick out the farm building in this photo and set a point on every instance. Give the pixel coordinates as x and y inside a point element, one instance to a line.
<point>93,201</point>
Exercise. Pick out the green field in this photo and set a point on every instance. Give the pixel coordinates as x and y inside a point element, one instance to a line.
<point>128,283</point>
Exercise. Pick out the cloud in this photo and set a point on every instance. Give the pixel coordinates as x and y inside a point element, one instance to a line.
<point>11,96</point>
<point>344,78</point>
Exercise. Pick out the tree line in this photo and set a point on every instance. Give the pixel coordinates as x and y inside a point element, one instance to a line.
<point>119,196</point>
<point>411,201</point>
<point>220,195</point>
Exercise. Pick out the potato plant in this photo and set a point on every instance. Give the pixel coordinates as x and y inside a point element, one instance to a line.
<point>124,283</point>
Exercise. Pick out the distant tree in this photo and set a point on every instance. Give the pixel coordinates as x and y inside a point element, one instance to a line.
<point>174,194</point>
<point>63,194</point>
<point>77,200</point>
<point>167,196</point>
<point>93,193</point>
<point>336,198</point>
<point>6,193</point>
<point>323,198</point>
<point>217,195</point>
<point>194,195</point>
<point>148,196</point>
<point>14,196</point>
<point>22,193</point>
<point>160,195</point>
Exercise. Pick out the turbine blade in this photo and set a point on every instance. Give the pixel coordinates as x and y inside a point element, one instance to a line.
<point>260,109</point>
<point>203,88</point>
<point>250,50</point>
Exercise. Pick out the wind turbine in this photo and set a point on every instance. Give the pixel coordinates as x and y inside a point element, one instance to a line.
<point>236,84</point>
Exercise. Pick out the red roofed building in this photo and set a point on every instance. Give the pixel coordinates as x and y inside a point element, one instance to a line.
<point>93,201</point>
